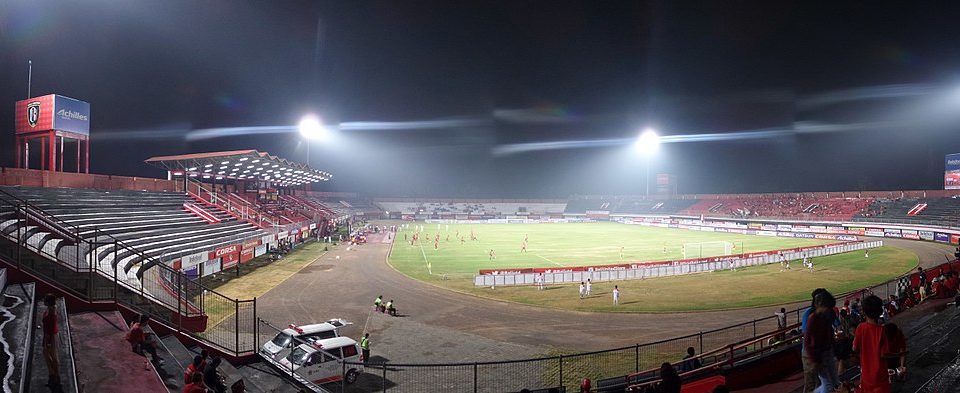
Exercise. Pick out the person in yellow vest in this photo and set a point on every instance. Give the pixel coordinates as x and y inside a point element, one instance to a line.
<point>390,309</point>
<point>365,347</point>
<point>378,304</point>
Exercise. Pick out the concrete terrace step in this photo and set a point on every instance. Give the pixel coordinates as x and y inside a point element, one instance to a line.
<point>65,350</point>
<point>16,317</point>
<point>105,362</point>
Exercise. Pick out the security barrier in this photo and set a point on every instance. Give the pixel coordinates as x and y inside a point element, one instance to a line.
<point>662,269</point>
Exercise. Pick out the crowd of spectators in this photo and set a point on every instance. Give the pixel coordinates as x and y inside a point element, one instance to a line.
<point>783,206</point>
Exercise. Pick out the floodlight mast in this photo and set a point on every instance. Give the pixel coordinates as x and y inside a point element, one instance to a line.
<point>647,144</point>
<point>310,128</point>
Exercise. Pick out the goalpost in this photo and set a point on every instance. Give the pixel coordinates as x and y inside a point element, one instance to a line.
<point>707,249</point>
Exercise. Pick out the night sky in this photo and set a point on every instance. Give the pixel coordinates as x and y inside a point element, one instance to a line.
<point>821,96</point>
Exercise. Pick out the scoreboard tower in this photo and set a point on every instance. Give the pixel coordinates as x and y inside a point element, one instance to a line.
<point>53,133</point>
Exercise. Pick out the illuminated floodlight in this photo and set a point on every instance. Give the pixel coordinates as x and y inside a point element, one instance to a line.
<point>648,142</point>
<point>311,128</point>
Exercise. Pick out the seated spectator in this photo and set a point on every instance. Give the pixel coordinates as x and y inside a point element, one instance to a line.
<point>669,380</point>
<point>141,341</point>
<point>195,367</point>
<point>212,377</point>
<point>690,362</point>
<point>195,384</point>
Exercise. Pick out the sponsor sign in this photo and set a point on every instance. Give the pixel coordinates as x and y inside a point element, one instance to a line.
<point>805,235</point>
<point>941,237</point>
<point>766,233</point>
<point>836,230</point>
<point>267,239</point>
<point>246,255</point>
<point>910,234</point>
<point>754,225</point>
<point>955,239</point>
<point>769,227</point>
<point>817,228</point>
<point>313,226</point>
<point>784,227</point>
<point>856,231</point>
<point>282,235</point>
<point>260,250</point>
<point>847,238</point>
<point>192,260</point>
<point>874,232</point>
<point>785,234</point>
<point>220,252</point>
<point>926,235</point>
<point>211,266</point>
<point>251,243</point>
<point>888,232</point>
<point>52,112</point>
<point>951,172</point>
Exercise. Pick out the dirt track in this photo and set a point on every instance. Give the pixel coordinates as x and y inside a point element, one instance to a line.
<point>346,288</point>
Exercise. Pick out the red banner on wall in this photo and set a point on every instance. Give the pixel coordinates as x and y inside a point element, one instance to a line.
<point>34,114</point>
<point>246,255</point>
<point>251,244</point>
<point>230,255</point>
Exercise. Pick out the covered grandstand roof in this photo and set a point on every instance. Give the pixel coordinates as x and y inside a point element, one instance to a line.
<point>242,165</point>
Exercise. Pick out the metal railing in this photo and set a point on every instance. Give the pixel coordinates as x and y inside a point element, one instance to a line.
<point>162,292</point>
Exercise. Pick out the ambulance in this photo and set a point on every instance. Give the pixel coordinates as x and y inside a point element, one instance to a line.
<point>321,361</point>
<point>294,335</point>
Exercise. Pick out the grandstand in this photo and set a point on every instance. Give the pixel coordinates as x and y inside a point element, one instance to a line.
<point>466,208</point>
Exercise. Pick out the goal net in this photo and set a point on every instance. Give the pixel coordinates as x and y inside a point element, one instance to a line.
<point>707,249</point>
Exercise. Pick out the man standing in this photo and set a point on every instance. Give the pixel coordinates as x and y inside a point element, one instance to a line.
<point>589,287</point>
<point>616,295</point>
<point>365,347</point>
<point>583,290</point>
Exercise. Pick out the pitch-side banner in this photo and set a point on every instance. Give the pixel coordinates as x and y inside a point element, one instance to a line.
<point>951,172</point>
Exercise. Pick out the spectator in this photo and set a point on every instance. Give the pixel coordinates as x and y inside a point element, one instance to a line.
<point>585,386</point>
<point>205,356</point>
<point>818,343</point>
<point>141,341</point>
<point>669,380</point>
<point>194,384</point>
<point>195,367</point>
<point>212,377</point>
<point>690,362</point>
<point>810,380</point>
<point>868,342</point>
<point>844,340</point>
<point>896,349</point>
<point>50,347</point>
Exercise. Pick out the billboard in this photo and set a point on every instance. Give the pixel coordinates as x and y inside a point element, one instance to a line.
<point>951,172</point>
<point>52,112</point>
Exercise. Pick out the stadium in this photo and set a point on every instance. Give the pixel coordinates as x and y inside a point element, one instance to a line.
<point>623,221</point>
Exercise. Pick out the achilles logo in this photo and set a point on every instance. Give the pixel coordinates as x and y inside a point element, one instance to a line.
<point>224,251</point>
<point>72,115</point>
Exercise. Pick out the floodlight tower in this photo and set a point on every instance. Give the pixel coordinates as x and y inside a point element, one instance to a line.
<point>311,128</point>
<point>647,144</point>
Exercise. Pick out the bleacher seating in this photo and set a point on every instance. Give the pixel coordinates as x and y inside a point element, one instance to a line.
<point>580,205</point>
<point>780,206</point>
<point>937,211</point>
<point>472,208</point>
<point>153,223</point>
<point>651,206</point>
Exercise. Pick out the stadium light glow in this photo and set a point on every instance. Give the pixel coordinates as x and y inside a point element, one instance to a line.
<point>311,128</point>
<point>648,142</point>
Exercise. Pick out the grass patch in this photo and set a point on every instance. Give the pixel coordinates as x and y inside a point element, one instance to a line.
<point>257,277</point>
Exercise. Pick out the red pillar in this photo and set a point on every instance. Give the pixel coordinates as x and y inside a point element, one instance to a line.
<point>52,141</point>
<point>43,153</point>
<point>78,155</point>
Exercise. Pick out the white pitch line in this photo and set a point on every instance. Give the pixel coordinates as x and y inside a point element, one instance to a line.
<point>546,259</point>
<point>429,270</point>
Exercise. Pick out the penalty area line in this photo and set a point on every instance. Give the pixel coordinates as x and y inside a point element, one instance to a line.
<point>424,253</point>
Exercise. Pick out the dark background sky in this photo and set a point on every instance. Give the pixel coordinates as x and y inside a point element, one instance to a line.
<point>592,70</point>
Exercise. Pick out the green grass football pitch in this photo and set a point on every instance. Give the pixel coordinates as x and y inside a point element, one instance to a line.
<point>556,245</point>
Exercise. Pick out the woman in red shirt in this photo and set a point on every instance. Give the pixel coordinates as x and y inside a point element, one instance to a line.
<point>49,326</point>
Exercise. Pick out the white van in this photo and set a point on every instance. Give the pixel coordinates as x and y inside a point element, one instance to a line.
<point>320,362</point>
<point>294,335</point>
